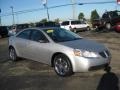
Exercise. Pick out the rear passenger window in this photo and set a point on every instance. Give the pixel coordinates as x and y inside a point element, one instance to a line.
<point>65,23</point>
<point>24,35</point>
<point>75,22</point>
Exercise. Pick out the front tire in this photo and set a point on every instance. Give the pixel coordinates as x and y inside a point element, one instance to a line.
<point>108,26</point>
<point>62,65</point>
<point>12,54</point>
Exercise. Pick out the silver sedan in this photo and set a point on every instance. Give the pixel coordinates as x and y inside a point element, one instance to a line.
<point>64,50</point>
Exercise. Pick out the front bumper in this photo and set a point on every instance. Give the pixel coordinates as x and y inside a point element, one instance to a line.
<point>83,64</point>
<point>117,28</point>
<point>79,29</point>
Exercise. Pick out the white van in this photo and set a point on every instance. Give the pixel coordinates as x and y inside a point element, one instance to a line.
<point>75,25</point>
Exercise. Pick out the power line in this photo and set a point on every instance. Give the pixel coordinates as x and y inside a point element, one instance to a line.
<point>24,11</point>
<point>97,2</point>
<point>57,6</point>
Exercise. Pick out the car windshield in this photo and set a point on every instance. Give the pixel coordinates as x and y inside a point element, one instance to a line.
<point>115,14</point>
<point>61,35</point>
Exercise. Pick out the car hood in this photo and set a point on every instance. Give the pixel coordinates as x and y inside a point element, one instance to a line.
<point>84,44</point>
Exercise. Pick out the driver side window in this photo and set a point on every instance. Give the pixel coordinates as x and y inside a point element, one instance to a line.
<point>37,36</point>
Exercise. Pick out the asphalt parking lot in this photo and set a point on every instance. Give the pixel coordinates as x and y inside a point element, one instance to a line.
<point>30,75</point>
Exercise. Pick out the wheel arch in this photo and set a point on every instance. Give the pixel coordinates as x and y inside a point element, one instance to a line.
<point>57,53</point>
<point>11,47</point>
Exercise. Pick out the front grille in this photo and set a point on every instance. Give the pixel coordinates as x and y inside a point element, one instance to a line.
<point>105,54</point>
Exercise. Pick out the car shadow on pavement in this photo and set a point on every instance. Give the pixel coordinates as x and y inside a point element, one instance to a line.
<point>109,81</point>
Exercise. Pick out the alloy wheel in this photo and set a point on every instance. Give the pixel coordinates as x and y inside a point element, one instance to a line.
<point>12,54</point>
<point>62,66</point>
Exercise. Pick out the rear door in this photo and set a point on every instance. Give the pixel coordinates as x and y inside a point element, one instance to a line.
<point>78,24</point>
<point>84,24</point>
<point>21,42</point>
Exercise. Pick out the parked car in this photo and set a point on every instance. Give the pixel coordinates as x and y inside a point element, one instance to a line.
<point>110,20</point>
<point>75,25</point>
<point>20,27</point>
<point>64,50</point>
<point>3,31</point>
<point>96,23</point>
<point>47,24</point>
<point>16,28</point>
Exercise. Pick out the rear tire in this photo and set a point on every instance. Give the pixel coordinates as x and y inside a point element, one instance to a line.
<point>74,30</point>
<point>62,65</point>
<point>12,54</point>
<point>88,28</point>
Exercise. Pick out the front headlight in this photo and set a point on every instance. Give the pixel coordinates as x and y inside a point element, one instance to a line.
<point>84,53</point>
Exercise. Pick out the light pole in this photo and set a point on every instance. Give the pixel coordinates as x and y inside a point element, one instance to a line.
<point>46,7</point>
<point>17,19</point>
<point>48,13</point>
<point>13,15</point>
<point>73,8</point>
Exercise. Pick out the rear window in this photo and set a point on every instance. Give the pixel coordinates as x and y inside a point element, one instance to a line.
<point>65,23</point>
<point>75,22</point>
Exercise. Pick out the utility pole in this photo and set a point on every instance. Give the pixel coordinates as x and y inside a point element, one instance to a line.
<point>46,7</point>
<point>48,13</point>
<point>73,8</point>
<point>13,15</point>
<point>0,18</point>
<point>17,19</point>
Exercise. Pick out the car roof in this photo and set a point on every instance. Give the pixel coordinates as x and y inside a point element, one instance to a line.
<point>38,28</point>
<point>48,28</point>
<point>70,20</point>
<point>112,11</point>
<point>43,28</point>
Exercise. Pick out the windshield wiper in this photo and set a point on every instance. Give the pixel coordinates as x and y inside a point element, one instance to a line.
<point>77,38</point>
